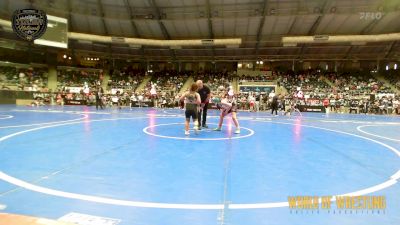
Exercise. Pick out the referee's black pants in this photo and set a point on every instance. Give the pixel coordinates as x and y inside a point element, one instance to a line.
<point>203,113</point>
<point>274,107</point>
<point>99,102</point>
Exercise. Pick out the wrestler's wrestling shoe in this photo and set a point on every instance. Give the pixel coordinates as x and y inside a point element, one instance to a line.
<point>237,131</point>
<point>196,129</point>
<point>217,129</point>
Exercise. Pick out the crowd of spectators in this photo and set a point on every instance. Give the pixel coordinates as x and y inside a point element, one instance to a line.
<point>356,83</point>
<point>380,104</point>
<point>310,83</point>
<point>348,92</point>
<point>352,92</point>
<point>393,76</point>
<point>28,79</point>
<point>169,82</point>
<point>78,78</point>
<point>216,81</point>
<point>355,93</point>
<point>125,78</point>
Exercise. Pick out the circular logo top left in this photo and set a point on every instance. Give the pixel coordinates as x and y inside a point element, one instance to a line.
<point>29,24</point>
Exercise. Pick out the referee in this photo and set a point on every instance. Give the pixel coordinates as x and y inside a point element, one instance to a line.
<point>99,95</point>
<point>205,95</point>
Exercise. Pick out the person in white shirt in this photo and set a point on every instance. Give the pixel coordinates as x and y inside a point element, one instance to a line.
<point>153,90</point>
<point>140,100</point>
<point>252,102</point>
<point>300,95</point>
<point>271,95</point>
<point>86,88</point>
<point>164,103</point>
<point>227,106</point>
<point>115,100</point>
<point>132,100</point>
<point>332,103</point>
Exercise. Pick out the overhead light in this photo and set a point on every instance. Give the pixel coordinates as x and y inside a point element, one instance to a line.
<point>85,42</point>
<point>64,56</point>
<point>261,62</point>
<point>69,58</point>
<point>318,38</point>
<point>358,43</point>
<point>152,42</point>
<point>387,67</point>
<point>134,46</point>
<point>257,62</point>
<point>356,39</point>
<point>207,41</point>
<point>285,44</point>
<point>395,66</point>
<point>50,43</point>
<point>118,40</point>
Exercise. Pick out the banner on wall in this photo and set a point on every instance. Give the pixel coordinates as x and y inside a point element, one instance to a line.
<point>313,102</point>
<point>311,108</point>
<point>74,89</point>
<point>257,88</point>
<point>75,102</point>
